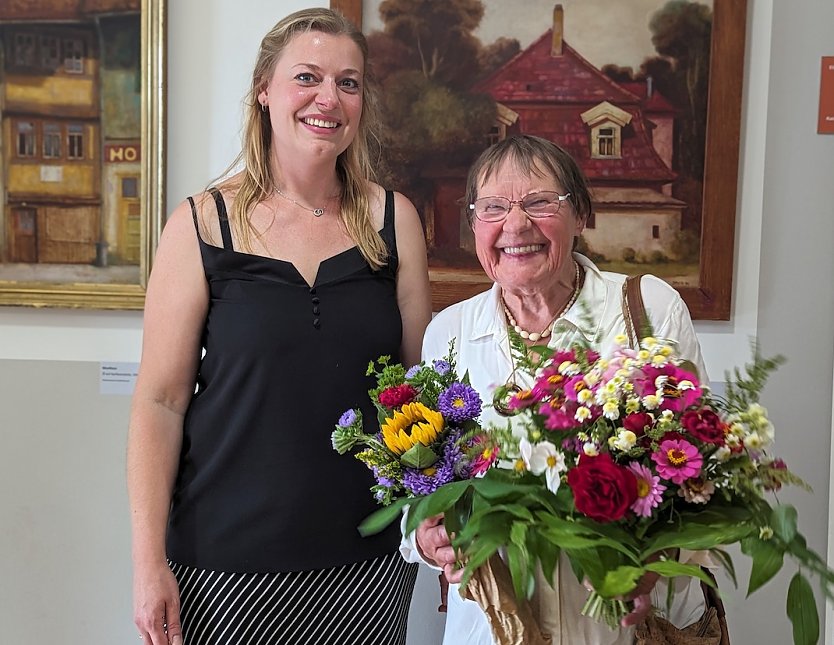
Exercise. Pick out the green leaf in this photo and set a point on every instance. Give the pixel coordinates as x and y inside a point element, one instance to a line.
<point>519,569</point>
<point>767,560</point>
<point>726,563</point>
<point>418,456</point>
<point>587,563</point>
<point>802,610</point>
<point>619,582</point>
<point>696,537</point>
<point>438,502</point>
<point>380,519</point>
<point>673,569</point>
<point>457,517</point>
<point>548,553</point>
<point>783,522</point>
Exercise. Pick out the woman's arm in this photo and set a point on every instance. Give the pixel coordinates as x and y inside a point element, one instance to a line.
<point>175,311</point>
<point>413,292</point>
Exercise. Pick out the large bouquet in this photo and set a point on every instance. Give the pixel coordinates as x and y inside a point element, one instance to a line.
<point>620,462</point>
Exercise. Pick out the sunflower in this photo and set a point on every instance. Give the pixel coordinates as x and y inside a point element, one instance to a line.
<point>414,423</point>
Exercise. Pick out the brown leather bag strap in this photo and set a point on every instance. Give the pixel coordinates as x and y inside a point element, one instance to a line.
<point>713,599</point>
<point>634,311</point>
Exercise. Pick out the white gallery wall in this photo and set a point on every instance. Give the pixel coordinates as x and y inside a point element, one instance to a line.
<point>64,542</point>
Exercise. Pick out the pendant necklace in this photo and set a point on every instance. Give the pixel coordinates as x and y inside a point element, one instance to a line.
<point>318,212</point>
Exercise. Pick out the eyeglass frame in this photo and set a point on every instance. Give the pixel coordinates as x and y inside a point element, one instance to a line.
<point>520,202</point>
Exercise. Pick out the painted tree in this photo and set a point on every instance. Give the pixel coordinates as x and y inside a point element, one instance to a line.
<point>426,58</point>
<point>682,31</point>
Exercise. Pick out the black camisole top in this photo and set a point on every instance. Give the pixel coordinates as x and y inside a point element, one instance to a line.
<point>259,486</point>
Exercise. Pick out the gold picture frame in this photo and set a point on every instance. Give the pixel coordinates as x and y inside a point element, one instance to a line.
<point>711,297</point>
<point>56,25</point>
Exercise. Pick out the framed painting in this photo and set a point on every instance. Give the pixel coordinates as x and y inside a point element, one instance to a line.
<point>645,95</point>
<point>82,118</point>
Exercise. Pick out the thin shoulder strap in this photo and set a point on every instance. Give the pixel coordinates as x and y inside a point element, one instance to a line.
<point>634,311</point>
<point>194,215</point>
<point>223,217</point>
<point>388,232</point>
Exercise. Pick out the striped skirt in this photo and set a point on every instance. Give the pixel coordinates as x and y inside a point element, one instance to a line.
<point>365,603</point>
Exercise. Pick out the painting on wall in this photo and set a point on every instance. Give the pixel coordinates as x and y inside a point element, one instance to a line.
<point>82,159</point>
<point>646,95</point>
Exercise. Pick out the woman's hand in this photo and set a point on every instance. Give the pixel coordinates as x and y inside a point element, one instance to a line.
<point>641,597</point>
<point>156,605</point>
<point>436,548</point>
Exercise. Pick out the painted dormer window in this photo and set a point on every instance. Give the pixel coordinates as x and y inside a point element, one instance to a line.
<point>605,123</point>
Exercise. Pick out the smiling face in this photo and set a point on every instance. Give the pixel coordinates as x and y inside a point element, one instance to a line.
<point>521,254</point>
<point>314,95</point>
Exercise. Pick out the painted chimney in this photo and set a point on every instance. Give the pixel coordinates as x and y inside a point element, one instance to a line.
<point>558,30</point>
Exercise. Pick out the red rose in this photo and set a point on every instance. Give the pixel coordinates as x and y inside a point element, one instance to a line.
<point>394,397</point>
<point>638,422</point>
<point>704,425</point>
<point>602,490</point>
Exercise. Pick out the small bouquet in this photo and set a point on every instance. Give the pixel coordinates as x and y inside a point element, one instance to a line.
<point>427,416</point>
<point>620,462</point>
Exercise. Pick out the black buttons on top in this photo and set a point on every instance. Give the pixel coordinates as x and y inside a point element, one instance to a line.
<point>315,300</point>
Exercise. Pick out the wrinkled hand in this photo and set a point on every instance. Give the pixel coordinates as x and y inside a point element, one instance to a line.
<point>156,605</point>
<point>435,546</point>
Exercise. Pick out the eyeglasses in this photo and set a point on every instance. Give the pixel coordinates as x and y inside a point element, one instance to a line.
<point>538,205</point>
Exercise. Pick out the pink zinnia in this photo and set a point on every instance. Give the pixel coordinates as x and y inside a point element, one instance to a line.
<point>678,460</point>
<point>649,490</point>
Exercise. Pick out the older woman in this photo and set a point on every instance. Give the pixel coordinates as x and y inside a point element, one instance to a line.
<point>528,202</point>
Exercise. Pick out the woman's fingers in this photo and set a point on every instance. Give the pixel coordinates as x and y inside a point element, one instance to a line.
<point>433,541</point>
<point>642,607</point>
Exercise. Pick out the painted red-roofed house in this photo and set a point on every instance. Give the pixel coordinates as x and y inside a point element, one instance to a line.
<point>621,135</point>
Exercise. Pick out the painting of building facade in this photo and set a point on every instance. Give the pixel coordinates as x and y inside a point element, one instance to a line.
<point>70,117</point>
<point>458,75</point>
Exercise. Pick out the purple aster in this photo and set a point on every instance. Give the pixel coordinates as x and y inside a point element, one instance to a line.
<point>459,402</point>
<point>382,481</point>
<point>347,419</point>
<point>441,367</point>
<point>412,371</point>
<point>427,480</point>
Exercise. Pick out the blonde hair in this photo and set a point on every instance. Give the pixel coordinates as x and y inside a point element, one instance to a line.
<point>255,183</point>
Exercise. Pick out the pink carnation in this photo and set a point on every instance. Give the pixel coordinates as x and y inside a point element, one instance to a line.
<point>677,460</point>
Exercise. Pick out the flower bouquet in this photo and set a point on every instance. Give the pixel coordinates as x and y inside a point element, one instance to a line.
<point>620,462</point>
<point>429,441</point>
<point>426,416</point>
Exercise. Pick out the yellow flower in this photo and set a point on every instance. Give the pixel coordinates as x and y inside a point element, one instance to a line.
<point>413,424</point>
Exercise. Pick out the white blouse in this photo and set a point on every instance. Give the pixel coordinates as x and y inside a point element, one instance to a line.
<point>479,328</point>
